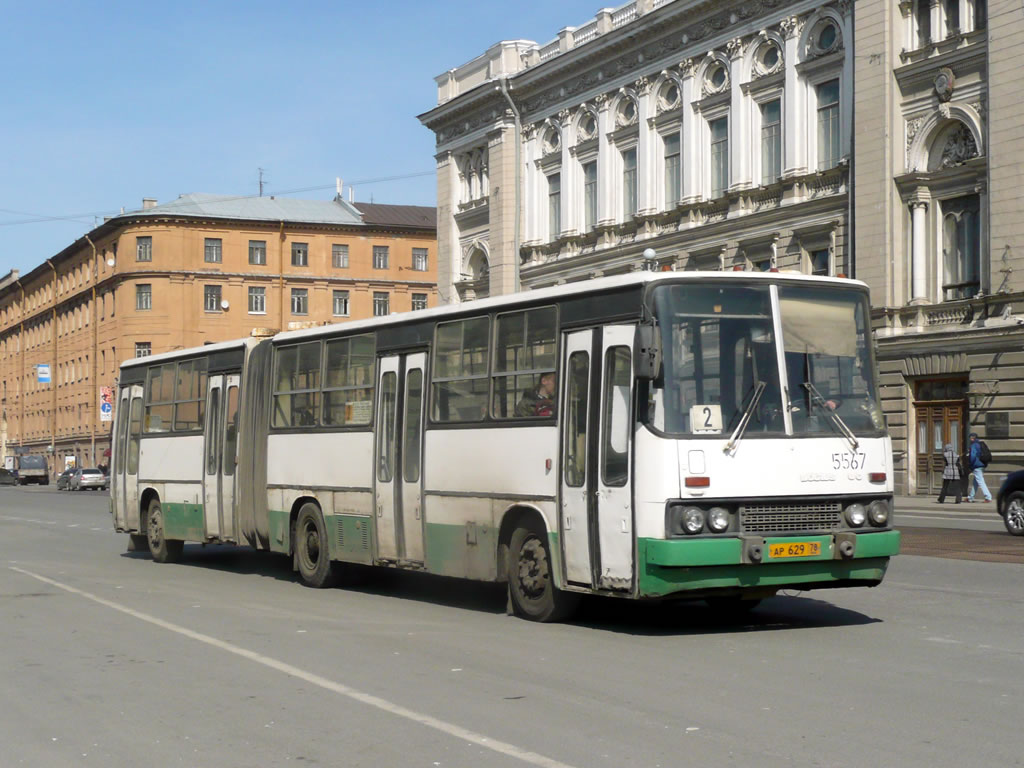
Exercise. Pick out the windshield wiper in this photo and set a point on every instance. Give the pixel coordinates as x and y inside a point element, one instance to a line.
<point>818,400</point>
<point>747,412</point>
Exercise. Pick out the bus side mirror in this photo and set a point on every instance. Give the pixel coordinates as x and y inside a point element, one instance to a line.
<point>646,352</point>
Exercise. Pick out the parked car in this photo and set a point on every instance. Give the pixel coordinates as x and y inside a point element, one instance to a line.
<point>7,477</point>
<point>63,479</point>
<point>1010,502</point>
<point>90,478</point>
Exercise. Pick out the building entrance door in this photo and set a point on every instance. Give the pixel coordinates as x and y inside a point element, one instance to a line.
<point>940,408</point>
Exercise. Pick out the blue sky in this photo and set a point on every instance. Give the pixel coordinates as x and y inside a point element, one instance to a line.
<point>106,103</point>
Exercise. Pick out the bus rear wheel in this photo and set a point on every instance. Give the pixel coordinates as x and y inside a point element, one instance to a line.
<point>531,584</point>
<point>161,548</point>
<point>312,551</point>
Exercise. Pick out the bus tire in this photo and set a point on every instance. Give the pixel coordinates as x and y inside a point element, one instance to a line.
<point>312,551</point>
<point>531,584</point>
<point>137,542</point>
<point>161,548</point>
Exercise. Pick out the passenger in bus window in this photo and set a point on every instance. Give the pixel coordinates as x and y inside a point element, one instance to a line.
<point>538,400</point>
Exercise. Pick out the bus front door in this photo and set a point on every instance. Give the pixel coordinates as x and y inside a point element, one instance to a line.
<point>398,458</point>
<point>125,486</point>
<point>596,484</point>
<point>220,449</point>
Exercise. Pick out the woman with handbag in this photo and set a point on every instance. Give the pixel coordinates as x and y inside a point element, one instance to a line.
<point>951,477</point>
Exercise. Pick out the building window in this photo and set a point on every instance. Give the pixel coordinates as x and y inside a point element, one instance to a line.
<point>629,183</point>
<point>380,257</point>
<point>143,349</point>
<point>673,170</point>
<point>212,250</point>
<point>143,296</point>
<point>211,298</point>
<point>771,141</point>
<point>144,248</point>
<point>341,304</point>
<point>961,235</point>
<point>719,156</point>
<point>257,301</point>
<point>819,262</point>
<point>381,304</point>
<point>828,124</point>
<point>339,256</point>
<point>300,301</point>
<point>258,252</point>
<point>419,259</point>
<point>300,254</point>
<point>419,301</point>
<point>952,9</point>
<point>554,205</point>
<point>589,195</point>
<point>923,22</point>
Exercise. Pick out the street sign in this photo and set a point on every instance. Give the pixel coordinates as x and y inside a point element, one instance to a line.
<point>106,404</point>
<point>43,373</point>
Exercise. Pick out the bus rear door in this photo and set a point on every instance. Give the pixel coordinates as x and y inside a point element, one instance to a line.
<point>220,450</point>
<point>399,456</point>
<point>125,485</point>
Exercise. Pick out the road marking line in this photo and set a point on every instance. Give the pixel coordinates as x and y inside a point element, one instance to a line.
<point>366,698</point>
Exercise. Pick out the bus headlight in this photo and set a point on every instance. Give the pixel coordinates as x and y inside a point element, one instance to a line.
<point>693,520</point>
<point>878,512</point>
<point>718,519</point>
<point>856,515</point>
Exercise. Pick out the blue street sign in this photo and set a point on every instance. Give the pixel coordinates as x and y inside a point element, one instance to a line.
<point>43,373</point>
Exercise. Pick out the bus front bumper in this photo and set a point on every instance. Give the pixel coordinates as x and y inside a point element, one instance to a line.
<point>670,566</point>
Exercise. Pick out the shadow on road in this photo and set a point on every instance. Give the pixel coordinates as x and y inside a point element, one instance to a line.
<point>796,611</point>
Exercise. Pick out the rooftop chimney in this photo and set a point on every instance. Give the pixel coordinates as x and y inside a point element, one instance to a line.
<point>148,202</point>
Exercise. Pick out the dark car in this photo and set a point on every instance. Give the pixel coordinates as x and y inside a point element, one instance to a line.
<point>7,477</point>
<point>1010,502</point>
<point>64,480</point>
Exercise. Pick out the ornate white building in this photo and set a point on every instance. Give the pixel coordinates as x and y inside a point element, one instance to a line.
<point>717,133</point>
<point>878,139</point>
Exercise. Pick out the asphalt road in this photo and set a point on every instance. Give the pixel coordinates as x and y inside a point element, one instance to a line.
<point>225,660</point>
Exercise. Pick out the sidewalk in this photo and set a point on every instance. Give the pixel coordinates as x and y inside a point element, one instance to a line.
<point>948,507</point>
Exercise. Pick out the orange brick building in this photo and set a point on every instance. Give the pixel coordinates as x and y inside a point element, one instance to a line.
<point>200,269</point>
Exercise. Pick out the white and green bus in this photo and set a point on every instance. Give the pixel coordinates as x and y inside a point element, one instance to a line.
<point>650,436</point>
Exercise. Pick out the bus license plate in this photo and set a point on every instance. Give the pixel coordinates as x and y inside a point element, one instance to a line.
<point>794,549</point>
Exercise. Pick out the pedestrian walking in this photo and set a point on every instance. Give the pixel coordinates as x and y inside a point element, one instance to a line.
<point>978,458</point>
<point>951,480</point>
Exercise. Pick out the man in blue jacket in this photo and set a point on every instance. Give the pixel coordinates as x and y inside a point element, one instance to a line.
<point>977,468</point>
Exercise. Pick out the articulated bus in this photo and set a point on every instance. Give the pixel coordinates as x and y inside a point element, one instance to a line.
<point>649,436</point>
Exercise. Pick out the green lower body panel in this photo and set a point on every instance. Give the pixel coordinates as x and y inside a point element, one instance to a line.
<point>351,538</point>
<point>667,567</point>
<point>184,522</point>
<point>280,531</point>
<point>468,551</point>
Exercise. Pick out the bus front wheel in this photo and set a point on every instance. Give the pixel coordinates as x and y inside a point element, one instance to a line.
<point>531,584</point>
<point>312,552</point>
<point>162,549</point>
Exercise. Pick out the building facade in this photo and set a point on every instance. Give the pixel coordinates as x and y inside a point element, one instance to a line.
<point>876,139</point>
<point>939,219</point>
<point>197,270</point>
<point>716,133</point>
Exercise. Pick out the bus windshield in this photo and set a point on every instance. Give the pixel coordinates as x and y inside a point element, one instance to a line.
<point>826,338</point>
<point>720,360</point>
<point>718,347</point>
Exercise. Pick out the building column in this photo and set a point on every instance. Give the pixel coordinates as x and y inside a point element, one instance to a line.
<point>919,250</point>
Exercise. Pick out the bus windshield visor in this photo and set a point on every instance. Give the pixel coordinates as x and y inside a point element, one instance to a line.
<point>826,338</point>
<point>718,348</point>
